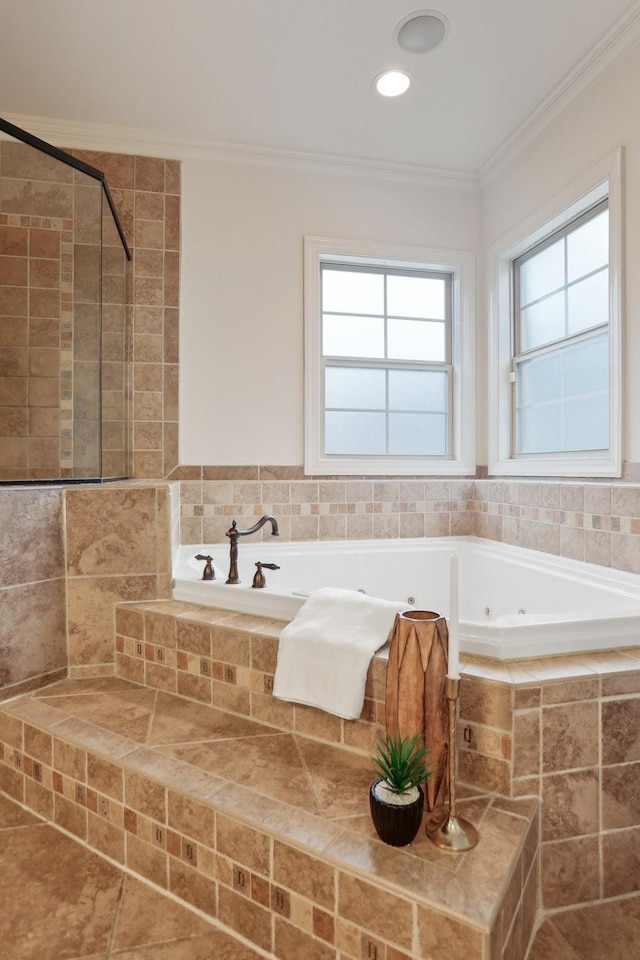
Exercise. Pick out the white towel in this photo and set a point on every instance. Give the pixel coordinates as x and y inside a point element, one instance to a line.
<point>324,653</point>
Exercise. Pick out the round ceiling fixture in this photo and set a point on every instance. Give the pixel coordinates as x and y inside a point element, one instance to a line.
<point>392,83</point>
<point>421,32</point>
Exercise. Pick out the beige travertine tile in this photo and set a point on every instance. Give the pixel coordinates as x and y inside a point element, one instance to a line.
<point>382,913</point>
<point>68,874</point>
<point>526,740</point>
<point>301,873</point>
<point>146,916</point>
<point>111,531</point>
<point>570,804</point>
<point>190,886</point>
<point>30,516</point>
<point>621,796</point>
<point>247,918</point>
<point>190,817</point>
<point>150,862</point>
<point>607,929</point>
<point>292,943</point>
<point>90,612</point>
<point>32,630</point>
<point>569,736</point>
<point>441,935</point>
<point>486,703</point>
<point>569,872</point>
<point>621,730</point>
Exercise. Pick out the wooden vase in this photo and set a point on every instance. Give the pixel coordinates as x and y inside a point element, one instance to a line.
<point>415,700</point>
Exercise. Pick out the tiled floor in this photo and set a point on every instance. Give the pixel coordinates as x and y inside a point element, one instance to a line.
<point>60,901</point>
<point>307,791</point>
<point>604,931</point>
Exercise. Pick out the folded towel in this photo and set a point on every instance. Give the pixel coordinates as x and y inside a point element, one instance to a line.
<point>324,653</point>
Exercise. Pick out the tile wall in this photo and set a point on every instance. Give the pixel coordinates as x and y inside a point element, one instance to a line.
<point>117,548</point>
<point>146,194</point>
<point>565,730</point>
<point>595,522</point>
<point>32,589</point>
<point>321,509</point>
<point>598,522</point>
<point>38,197</point>
<point>229,660</point>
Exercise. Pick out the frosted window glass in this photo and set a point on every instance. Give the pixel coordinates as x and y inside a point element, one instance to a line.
<point>543,322</point>
<point>586,367</point>
<point>350,433</point>
<point>416,340</point>
<point>586,423</point>
<point>417,390</point>
<point>417,434</point>
<point>353,336</point>
<point>542,273</point>
<point>540,429</point>
<point>355,388</point>
<point>589,302</point>
<point>344,291</point>
<point>588,247</point>
<point>415,297</point>
<point>539,379</point>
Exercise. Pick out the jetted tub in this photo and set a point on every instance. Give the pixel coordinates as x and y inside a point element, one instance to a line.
<point>513,602</point>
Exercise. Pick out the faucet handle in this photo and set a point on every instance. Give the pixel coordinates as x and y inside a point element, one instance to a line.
<point>207,573</point>
<point>259,580</point>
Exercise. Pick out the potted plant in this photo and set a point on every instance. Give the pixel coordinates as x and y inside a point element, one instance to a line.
<point>396,798</point>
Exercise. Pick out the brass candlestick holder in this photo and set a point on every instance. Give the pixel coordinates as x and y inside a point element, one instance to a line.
<point>453,832</point>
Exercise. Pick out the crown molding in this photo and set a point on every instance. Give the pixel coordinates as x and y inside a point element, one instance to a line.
<point>622,36</point>
<point>93,136</point>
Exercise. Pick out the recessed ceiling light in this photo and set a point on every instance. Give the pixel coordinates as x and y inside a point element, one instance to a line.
<point>392,83</point>
<point>421,32</point>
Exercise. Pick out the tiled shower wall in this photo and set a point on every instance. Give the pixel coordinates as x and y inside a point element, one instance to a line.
<point>38,253</point>
<point>146,194</point>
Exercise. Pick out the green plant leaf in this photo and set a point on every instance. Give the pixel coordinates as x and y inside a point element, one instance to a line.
<point>401,761</point>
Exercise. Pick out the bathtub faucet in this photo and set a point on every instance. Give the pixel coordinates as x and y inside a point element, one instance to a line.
<point>233,533</point>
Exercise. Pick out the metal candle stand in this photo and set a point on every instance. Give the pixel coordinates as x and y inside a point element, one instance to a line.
<point>452,833</point>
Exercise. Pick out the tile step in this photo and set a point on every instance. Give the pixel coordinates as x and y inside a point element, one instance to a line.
<point>265,829</point>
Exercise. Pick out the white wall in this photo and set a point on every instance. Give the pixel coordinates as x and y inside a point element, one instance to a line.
<point>241,320</point>
<point>605,117</point>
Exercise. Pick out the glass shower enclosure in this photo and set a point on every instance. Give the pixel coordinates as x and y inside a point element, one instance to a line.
<point>65,318</point>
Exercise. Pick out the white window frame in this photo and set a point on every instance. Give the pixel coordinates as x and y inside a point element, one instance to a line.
<point>461,266</point>
<point>603,181</point>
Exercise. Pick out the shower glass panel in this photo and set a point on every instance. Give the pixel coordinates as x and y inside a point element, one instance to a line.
<point>65,318</point>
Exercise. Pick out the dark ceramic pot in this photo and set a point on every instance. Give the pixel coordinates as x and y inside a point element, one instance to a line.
<point>396,825</point>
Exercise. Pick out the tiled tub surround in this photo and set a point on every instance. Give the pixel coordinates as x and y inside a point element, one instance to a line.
<point>595,522</point>
<point>312,509</point>
<point>561,729</point>
<point>266,830</point>
<point>564,730</point>
<point>598,522</point>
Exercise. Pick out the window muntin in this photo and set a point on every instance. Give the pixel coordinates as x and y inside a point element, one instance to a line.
<point>561,317</point>
<point>386,361</point>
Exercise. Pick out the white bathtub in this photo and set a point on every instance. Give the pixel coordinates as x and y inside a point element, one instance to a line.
<point>513,602</point>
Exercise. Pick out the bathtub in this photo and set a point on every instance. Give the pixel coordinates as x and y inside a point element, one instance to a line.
<point>514,603</point>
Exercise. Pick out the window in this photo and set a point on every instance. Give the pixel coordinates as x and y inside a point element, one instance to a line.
<point>383,347</point>
<point>555,321</point>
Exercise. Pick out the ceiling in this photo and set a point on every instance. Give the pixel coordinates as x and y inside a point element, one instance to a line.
<point>296,75</point>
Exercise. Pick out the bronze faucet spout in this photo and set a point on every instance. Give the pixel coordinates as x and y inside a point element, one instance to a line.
<point>233,533</point>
